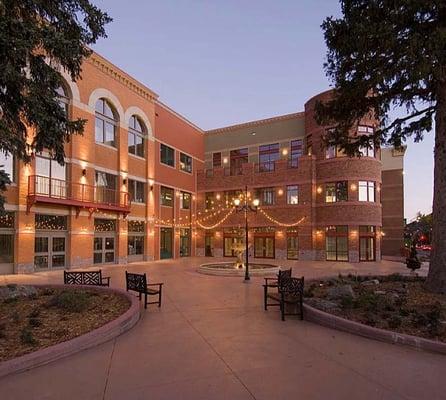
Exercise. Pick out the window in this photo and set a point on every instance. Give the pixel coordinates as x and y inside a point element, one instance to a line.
<point>367,242</point>
<point>366,191</point>
<point>231,195</point>
<point>336,243</point>
<point>238,158</point>
<point>364,130</point>
<point>337,191</point>
<point>367,151</point>
<point>167,155</point>
<point>185,200</point>
<point>104,225</point>
<point>334,151</point>
<point>50,178</point>
<point>209,200</point>
<point>7,164</point>
<point>216,160</point>
<point>166,196</point>
<point>266,196</point>
<point>136,137</point>
<point>6,238</point>
<point>137,191</point>
<point>268,155</point>
<point>51,222</point>
<point>296,153</point>
<point>135,241</point>
<point>105,191</point>
<point>292,194</point>
<point>105,123</point>
<point>63,98</point>
<point>185,163</point>
<point>292,246</point>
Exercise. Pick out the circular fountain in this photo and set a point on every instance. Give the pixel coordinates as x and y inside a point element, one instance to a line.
<point>237,267</point>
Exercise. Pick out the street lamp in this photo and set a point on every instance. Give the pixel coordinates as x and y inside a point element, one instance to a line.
<point>245,208</point>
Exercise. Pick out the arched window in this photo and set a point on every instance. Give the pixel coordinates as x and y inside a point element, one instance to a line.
<point>137,133</point>
<point>106,123</point>
<point>63,98</point>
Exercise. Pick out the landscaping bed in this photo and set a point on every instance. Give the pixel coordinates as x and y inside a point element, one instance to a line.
<point>396,303</point>
<point>35,318</point>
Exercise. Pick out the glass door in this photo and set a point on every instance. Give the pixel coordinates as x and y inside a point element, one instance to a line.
<point>367,249</point>
<point>185,242</point>
<point>49,251</point>
<point>209,245</point>
<point>292,247</point>
<point>104,249</point>
<point>264,247</point>
<point>166,243</point>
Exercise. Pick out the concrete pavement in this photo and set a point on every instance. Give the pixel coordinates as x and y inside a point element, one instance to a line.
<point>212,340</point>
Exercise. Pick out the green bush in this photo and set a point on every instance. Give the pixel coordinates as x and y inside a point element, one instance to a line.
<point>15,317</point>
<point>71,301</point>
<point>394,322</point>
<point>34,322</point>
<point>26,336</point>
<point>369,302</point>
<point>47,292</point>
<point>2,331</point>
<point>34,313</point>
<point>347,302</point>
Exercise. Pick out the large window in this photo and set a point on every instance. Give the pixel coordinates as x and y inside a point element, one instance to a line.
<point>216,160</point>
<point>185,163</point>
<point>51,222</point>
<point>292,194</point>
<point>167,155</point>
<point>238,157</point>
<point>137,191</point>
<point>167,196</point>
<point>366,191</point>
<point>366,151</point>
<point>336,243</point>
<point>185,242</point>
<point>268,155</point>
<point>296,153</point>
<point>105,123</point>
<point>6,238</point>
<point>292,244</point>
<point>105,191</point>
<point>209,200</point>
<point>185,200</point>
<point>266,196</point>
<point>336,191</point>
<point>63,98</point>
<point>334,151</point>
<point>7,164</point>
<point>136,142</point>
<point>367,242</point>
<point>135,241</point>
<point>50,179</point>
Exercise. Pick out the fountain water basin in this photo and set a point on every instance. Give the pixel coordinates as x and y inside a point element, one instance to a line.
<point>232,269</point>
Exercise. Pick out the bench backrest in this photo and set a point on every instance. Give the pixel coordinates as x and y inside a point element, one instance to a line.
<point>284,274</point>
<point>136,282</point>
<point>292,286</point>
<point>83,277</point>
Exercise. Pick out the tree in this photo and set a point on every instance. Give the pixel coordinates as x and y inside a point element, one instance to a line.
<point>39,38</point>
<point>387,54</point>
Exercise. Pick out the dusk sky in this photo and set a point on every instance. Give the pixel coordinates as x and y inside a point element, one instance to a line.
<point>221,62</point>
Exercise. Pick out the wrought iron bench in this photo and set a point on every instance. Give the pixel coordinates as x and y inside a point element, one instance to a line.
<point>291,293</point>
<point>273,283</point>
<point>85,278</point>
<point>138,283</point>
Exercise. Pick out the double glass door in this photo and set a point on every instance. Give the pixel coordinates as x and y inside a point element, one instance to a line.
<point>166,243</point>
<point>104,248</point>
<point>264,247</point>
<point>49,250</point>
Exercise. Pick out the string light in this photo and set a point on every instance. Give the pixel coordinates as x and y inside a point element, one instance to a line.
<point>278,222</point>
<point>217,223</point>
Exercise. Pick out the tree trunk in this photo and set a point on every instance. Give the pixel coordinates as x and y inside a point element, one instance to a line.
<point>436,279</point>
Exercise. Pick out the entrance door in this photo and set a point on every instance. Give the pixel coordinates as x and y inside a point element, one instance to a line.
<point>264,247</point>
<point>209,245</point>
<point>166,243</point>
<point>292,247</point>
<point>104,248</point>
<point>49,251</point>
<point>367,249</point>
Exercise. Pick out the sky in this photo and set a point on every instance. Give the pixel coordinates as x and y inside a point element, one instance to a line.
<point>225,62</point>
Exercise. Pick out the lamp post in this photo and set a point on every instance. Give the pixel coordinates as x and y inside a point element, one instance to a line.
<point>245,208</point>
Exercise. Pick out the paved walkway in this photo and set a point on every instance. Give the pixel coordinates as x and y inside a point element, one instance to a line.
<point>212,340</point>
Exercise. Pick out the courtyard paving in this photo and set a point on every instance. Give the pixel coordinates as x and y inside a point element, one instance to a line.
<point>212,340</point>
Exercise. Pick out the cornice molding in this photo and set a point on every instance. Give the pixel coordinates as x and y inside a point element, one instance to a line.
<point>119,75</point>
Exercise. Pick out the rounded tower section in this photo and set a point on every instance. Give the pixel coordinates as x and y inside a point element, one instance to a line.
<point>347,215</point>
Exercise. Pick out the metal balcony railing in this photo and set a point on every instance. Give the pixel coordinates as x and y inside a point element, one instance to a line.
<point>52,190</point>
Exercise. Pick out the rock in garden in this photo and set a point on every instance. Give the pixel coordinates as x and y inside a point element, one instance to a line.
<point>16,291</point>
<point>323,305</point>
<point>370,282</point>
<point>339,292</point>
<point>380,292</point>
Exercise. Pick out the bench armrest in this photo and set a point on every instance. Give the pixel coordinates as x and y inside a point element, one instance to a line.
<point>155,284</point>
<point>107,279</point>
<point>270,279</point>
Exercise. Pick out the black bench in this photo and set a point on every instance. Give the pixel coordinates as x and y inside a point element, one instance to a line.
<point>85,278</point>
<point>138,283</point>
<point>291,293</point>
<point>273,283</point>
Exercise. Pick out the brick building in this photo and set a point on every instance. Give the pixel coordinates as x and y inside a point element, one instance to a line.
<point>142,182</point>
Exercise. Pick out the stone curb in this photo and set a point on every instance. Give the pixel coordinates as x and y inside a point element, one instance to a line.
<point>98,336</point>
<point>333,321</point>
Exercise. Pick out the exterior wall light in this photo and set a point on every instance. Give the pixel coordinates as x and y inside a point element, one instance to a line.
<point>225,160</point>
<point>280,192</point>
<point>236,202</point>
<point>218,196</point>
<point>285,152</point>
<point>255,202</point>
<point>353,187</point>
<point>319,190</point>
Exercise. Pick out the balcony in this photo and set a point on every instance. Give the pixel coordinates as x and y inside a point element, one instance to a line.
<point>42,189</point>
<point>256,174</point>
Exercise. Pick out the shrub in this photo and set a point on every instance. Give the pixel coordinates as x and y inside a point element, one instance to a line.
<point>394,322</point>
<point>10,300</point>
<point>34,322</point>
<point>26,336</point>
<point>368,302</point>
<point>47,292</point>
<point>2,331</point>
<point>347,302</point>
<point>370,319</point>
<point>404,312</point>
<point>15,317</point>
<point>34,313</point>
<point>71,301</point>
